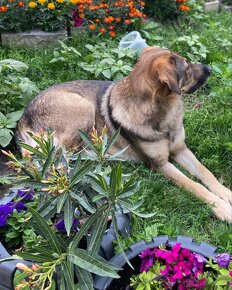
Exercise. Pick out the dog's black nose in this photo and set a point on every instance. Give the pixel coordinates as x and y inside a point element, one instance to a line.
<point>207,70</point>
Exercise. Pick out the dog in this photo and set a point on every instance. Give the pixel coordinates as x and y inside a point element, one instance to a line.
<point>146,106</point>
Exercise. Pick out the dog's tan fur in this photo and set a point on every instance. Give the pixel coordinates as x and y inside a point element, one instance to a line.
<point>147,107</point>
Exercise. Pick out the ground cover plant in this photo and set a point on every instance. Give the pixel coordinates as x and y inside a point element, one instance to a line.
<point>208,117</point>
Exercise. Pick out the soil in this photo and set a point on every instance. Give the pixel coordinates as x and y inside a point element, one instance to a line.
<point>124,282</point>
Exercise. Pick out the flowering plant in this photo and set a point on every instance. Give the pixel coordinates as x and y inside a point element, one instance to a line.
<point>166,9</point>
<point>107,17</point>
<point>48,15</point>
<point>180,268</point>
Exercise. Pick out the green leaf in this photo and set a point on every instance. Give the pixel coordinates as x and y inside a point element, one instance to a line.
<point>87,141</point>
<point>68,276</point>
<point>107,73</point>
<point>18,277</point>
<point>31,149</point>
<point>48,161</point>
<point>5,137</point>
<point>48,209</point>
<point>84,260</point>
<point>60,201</point>
<point>3,118</point>
<point>68,215</point>
<point>85,227</point>
<point>118,153</point>
<point>115,225</point>
<point>35,257</point>
<point>15,116</point>
<point>81,172</point>
<point>112,141</point>
<point>47,232</point>
<point>76,167</point>
<point>85,279</point>
<point>14,64</point>
<point>97,233</point>
<point>83,201</point>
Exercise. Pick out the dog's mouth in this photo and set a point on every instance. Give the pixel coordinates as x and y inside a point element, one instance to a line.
<point>201,81</point>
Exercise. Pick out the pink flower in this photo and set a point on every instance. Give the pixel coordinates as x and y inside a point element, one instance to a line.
<point>147,260</point>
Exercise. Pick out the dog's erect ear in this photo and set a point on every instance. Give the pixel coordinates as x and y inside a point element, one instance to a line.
<point>168,75</point>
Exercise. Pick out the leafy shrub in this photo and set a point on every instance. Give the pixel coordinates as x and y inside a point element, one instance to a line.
<point>165,9</point>
<point>16,91</point>
<point>68,189</point>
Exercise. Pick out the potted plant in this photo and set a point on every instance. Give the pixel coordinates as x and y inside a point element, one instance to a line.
<point>59,225</point>
<point>166,263</point>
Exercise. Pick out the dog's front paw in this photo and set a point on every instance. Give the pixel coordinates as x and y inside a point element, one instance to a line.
<point>225,193</point>
<point>222,209</point>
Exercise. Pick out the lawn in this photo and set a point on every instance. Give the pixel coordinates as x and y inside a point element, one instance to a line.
<point>208,115</point>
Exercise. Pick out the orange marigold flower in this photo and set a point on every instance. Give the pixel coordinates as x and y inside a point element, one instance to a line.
<point>97,20</point>
<point>21,4</point>
<point>81,15</point>
<point>102,30</point>
<point>184,8</point>
<point>112,33</point>
<point>111,18</point>
<point>127,21</point>
<point>111,27</point>
<point>42,2</point>
<point>3,9</point>
<point>92,26</point>
<point>142,3</point>
<point>117,19</point>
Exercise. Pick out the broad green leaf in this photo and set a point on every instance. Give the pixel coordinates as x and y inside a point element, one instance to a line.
<point>47,232</point>
<point>5,137</point>
<point>68,215</point>
<point>84,260</point>
<point>14,64</point>
<point>3,118</point>
<point>85,227</point>
<point>15,116</point>
<point>97,233</point>
<point>85,279</point>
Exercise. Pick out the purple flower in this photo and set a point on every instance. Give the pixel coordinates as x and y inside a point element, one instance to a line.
<point>147,257</point>
<point>223,260</point>
<point>26,194</point>
<point>5,210</point>
<point>60,224</point>
<point>78,21</point>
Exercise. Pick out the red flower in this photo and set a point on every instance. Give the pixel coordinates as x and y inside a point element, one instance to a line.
<point>21,4</point>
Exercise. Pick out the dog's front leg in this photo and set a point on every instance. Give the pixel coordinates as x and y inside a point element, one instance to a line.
<point>222,209</point>
<point>189,161</point>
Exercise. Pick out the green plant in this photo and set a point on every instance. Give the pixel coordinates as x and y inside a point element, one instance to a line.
<point>191,47</point>
<point>7,123</point>
<point>107,62</point>
<point>170,267</point>
<point>26,15</point>
<point>165,10</point>
<point>70,189</point>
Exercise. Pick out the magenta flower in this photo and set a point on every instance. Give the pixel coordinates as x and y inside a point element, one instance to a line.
<point>223,260</point>
<point>147,257</point>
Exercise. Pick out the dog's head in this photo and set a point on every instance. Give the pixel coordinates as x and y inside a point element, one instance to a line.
<point>172,70</point>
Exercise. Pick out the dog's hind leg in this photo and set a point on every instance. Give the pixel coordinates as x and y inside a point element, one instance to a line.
<point>222,209</point>
<point>189,161</point>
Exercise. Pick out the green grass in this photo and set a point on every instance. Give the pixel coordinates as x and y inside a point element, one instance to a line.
<point>208,123</point>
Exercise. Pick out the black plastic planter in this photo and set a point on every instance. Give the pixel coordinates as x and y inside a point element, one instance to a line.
<point>8,268</point>
<point>103,283</point>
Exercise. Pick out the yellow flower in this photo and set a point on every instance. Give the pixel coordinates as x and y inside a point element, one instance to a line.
<point>51,6</point>
<point>42,2</point>
<point>74,1</point>
<point>60,1</point>
<point>32,4</point>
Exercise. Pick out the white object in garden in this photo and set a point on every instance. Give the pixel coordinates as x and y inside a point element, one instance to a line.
<point>133,40</point>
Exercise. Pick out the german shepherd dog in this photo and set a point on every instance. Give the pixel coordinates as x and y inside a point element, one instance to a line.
<point>146,106</point>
